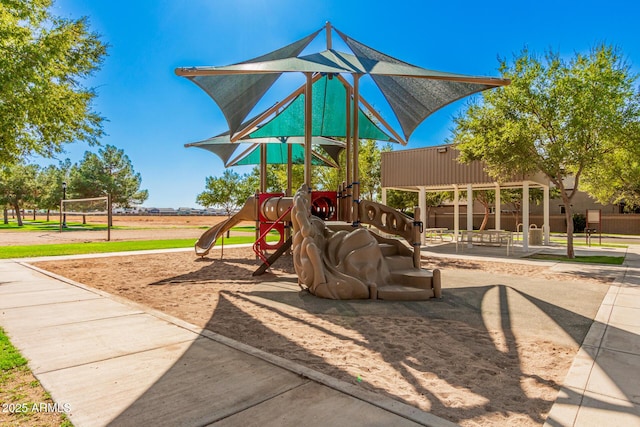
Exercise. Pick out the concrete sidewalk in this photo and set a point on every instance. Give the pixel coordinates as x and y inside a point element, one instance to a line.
<point>117,363</point>
<point>603,384</point>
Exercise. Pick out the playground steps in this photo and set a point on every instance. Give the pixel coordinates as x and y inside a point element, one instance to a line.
<point>388,249</point>
<point>403,293</point>
<point>399,262</point>
<point>413,277</point>
<point>408,283</point>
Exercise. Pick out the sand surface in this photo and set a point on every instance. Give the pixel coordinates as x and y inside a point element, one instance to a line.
<point>493,351</point>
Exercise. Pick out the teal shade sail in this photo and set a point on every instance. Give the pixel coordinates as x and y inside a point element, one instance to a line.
<point>278,154</point>
<point>329,116</point>
<point>325,151</point>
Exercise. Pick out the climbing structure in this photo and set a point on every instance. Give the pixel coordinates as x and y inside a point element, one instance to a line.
<point>355,263</point>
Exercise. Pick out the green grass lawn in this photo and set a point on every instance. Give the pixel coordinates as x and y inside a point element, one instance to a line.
<point>105,247</point>
<point>595,259</point>
<point>9,356</point>
<point>19,389</point>
<point>579,241</point>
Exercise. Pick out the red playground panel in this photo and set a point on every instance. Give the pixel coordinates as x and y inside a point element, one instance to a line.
<point>265,224</point>
<point>324,205</point>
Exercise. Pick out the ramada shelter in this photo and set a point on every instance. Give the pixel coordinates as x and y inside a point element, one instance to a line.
<point>435,169</point>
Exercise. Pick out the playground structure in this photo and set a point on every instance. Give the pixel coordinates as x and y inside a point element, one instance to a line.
<point>271,212</point>
<point>357,263</point>
<point>336,259</point>
<point>333,259</point>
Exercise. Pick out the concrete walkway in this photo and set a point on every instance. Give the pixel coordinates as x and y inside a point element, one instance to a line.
<point>602,387</point>
<point>117,363</point>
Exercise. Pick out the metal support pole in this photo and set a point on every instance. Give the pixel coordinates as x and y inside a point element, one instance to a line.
<point>308,129</point>
<point>469,212</point>
<point>422,202</point>
<point>289,169</point>
<point>456,212</point>
<point>418,231</point>
<point>64,197</point>
<point>263,168</point>
<point>356,148</point>
<point>348,153</point>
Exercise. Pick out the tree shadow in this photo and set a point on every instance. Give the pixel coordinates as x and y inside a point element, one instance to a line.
<point>470,355</point>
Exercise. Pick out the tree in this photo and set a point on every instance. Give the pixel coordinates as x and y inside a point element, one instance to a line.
<point>402,200</point>
<point>229,191</point>
<point>407,200</point>
<point>487,198</point>
<point>369,165</point>
<point>17,184</point>
<point>512,198</point>
<point>277,177</point>
<point>620,170</point>
<point>330,179</point>
<point>107,173</point>
<point>557,117</point>
<point>43,60</point>
<point>49,184</point>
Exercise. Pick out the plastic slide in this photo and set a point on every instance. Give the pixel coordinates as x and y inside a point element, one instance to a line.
<point>208,239</point>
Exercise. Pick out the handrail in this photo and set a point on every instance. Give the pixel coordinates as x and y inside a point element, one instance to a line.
<point>264,234</point>
<point>387,219</point>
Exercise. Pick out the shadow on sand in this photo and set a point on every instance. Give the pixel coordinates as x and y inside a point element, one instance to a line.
<point>494,317</point>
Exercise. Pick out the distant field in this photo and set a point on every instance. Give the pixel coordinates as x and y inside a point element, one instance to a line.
<point>131,220</point>
<point>125,228</point>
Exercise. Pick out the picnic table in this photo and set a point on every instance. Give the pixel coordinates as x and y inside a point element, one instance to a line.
<point>486,238</point>
<point>435,233</point>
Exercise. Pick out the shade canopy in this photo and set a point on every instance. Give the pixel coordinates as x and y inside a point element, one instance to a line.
<point>278,154</point>
<point>236,95</point>
<point>329,115</point>
<point>412,92</point>
<point>247,152</point>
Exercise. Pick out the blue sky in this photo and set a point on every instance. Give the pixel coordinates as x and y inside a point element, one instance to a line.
<point>152,113</point>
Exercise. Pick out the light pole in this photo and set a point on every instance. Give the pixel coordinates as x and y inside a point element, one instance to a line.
<point>64,197</point>
<point>35,201</point>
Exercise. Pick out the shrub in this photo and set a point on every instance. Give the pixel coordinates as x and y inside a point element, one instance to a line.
<point>579,223</point>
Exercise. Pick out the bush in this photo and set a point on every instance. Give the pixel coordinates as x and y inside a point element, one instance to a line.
<point>579,223</point>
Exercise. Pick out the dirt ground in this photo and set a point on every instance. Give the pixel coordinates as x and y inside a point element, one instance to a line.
<point>493,351</point>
